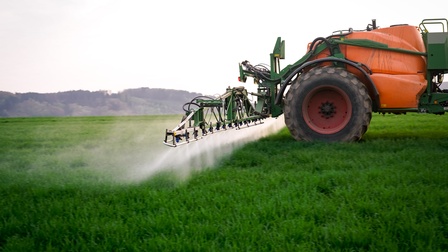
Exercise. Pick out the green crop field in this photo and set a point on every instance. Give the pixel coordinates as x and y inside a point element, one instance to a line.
<point>109,184</point>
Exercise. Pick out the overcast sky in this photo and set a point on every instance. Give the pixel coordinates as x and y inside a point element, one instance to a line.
<point>193,45</point>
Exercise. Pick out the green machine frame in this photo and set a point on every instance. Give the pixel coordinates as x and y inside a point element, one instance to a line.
<point>273,82</point>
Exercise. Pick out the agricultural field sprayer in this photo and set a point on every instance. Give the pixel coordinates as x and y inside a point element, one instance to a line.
<point>330,93</point>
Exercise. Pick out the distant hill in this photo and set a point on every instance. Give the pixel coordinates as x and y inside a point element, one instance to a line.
<point>140,101</point>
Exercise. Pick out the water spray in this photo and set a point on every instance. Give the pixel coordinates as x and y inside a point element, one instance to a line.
<point>211,128</point>
<point>200,155</point>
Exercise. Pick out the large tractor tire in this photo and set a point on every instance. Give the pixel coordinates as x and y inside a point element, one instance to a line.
<point>327,104</point>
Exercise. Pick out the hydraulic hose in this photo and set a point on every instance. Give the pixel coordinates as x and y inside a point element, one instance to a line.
<point>297,70</point>
<point>327,43</point>
<point>193,103</point>
<point>288,79</point>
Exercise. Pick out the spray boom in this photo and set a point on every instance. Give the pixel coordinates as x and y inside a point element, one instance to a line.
<point>208,115</point>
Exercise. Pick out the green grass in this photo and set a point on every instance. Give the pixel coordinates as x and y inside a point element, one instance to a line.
<point>59,192</point>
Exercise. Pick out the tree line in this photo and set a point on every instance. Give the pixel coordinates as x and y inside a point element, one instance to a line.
<point>139,101</point>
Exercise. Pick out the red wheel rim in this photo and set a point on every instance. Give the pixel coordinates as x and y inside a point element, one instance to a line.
<point>327,109</point>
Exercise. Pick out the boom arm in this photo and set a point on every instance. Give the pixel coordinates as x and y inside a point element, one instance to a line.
<point>208,115</point>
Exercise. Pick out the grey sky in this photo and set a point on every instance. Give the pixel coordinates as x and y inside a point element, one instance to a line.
<point>60,45</point>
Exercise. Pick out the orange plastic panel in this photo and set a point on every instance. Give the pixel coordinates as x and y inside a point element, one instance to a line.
<point>399,91</point>
<point>383,61</point>
<point>399,77</point>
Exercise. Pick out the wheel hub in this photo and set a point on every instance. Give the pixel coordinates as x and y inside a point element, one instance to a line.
<point>327,109</point>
